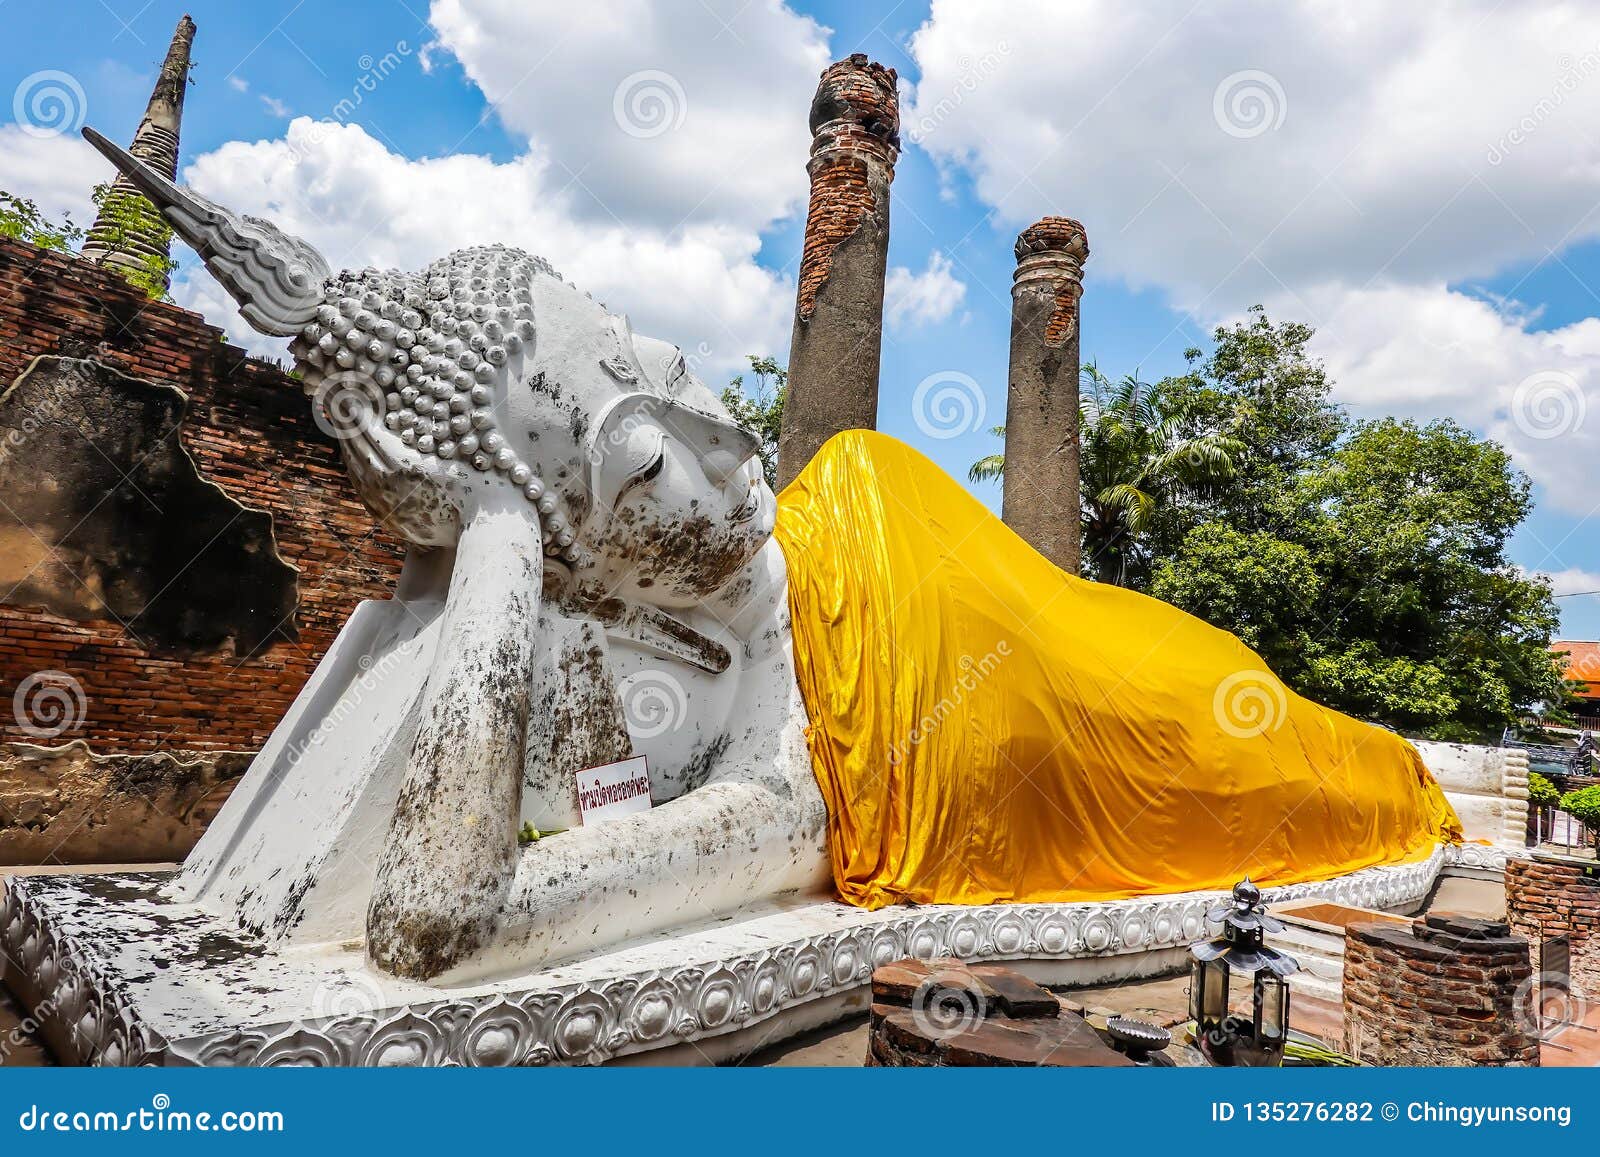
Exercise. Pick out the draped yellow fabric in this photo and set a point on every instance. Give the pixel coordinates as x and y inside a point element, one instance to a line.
<point>987,728</point>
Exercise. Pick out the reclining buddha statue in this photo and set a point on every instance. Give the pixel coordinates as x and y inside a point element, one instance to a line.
<point>868,684</point>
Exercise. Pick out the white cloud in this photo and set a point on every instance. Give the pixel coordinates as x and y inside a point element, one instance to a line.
<point>926,298</point>
<point>57,173</point>
<point>1380,166</point>
<point>1572,581</point>
<point>658,114</point>
<point>1347,164</point>
<point>361,204</point>
<point>660,145</point>
<point>1426,350</point>
<point>274,106</point>
<point>238,84</point>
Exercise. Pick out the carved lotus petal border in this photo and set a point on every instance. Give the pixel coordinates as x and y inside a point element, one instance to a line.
<point>589,1023</point>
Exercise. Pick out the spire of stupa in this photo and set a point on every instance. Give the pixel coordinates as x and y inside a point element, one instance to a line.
<point>128,232</point>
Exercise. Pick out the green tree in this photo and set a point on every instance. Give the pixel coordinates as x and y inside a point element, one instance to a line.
<point>1141,452</point>
<point>760,408</point>
<point>1140,456</point>
<point>1583,805</point>
<point>22,219</point>
<point>1261,386</point>
<point>1383,588</point>
<point>1365,562</point>
<point>122,217</point>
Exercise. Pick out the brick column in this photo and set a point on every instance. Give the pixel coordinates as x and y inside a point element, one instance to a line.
<point>838,316</point>
<point>1040,496</point>
<point>1444,990</point>
<point>1547,897</point>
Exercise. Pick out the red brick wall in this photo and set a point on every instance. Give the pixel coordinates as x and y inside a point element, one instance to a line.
<point>250,430</point>
<point>1445,990</point>
<point>1545,899</point>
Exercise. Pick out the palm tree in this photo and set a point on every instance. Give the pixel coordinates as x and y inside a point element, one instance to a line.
<point>990,466</point>
<point>1138,456</point>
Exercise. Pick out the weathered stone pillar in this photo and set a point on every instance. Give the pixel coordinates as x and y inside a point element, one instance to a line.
<point>127,247</point>
<point>1445,990</point>
<point>838,316</point>
<point>1040,495</point>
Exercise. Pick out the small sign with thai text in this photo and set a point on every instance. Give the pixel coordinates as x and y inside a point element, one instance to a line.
<point>614,790</point>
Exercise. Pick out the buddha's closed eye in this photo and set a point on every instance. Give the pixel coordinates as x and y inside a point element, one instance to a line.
<point>652,461</point>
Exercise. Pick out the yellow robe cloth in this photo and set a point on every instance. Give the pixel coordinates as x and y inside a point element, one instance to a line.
<point>987,728</point>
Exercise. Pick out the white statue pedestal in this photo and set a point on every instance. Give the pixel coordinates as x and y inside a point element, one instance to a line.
<point>119,976</point>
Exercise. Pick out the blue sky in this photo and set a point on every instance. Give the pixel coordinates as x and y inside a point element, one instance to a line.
<point>1421,186</point>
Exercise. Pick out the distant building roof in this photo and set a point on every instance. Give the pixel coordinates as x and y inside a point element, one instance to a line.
<point>1583,663</point>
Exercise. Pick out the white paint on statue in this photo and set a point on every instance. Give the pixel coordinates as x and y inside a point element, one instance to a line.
<point>585,520</point>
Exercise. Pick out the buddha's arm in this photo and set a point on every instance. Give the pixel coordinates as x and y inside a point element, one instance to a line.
<point>757,830</point>
<point>452,842</point>
<point>698,857</point>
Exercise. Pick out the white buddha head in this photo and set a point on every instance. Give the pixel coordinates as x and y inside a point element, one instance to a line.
<point>486,381</point>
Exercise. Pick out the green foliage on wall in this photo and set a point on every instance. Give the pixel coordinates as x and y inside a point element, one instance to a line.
<point>129,223</point>
<point>21,218</point>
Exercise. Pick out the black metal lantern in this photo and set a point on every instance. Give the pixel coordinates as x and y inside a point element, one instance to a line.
<point>1224,1037</point>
